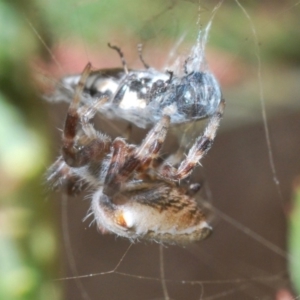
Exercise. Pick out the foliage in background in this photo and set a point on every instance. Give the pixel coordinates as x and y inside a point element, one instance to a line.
<point>28,256</point>
<point>95,22</point>
<point>294,238</point>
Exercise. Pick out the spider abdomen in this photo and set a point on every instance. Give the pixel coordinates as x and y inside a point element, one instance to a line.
<point>169,216</point>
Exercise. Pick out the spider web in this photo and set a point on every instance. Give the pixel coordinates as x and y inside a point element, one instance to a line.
<point>245,177</point>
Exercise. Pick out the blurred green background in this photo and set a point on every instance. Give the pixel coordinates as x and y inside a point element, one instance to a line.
<point>43,40</point>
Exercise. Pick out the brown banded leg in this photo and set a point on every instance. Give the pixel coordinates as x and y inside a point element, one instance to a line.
<point>61,176</point>
<point>120,152</point>
<point>88,111</point>
<point>198,150</point>
<point>127,159</point>
<point>82,144</point>
<point>149,148</point>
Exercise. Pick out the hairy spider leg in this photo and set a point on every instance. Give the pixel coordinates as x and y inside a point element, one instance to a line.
<point>82,147</point>
<point>121,152</point>
<point>127,158</point>
<point>201,146</point>
<point>61,176</point>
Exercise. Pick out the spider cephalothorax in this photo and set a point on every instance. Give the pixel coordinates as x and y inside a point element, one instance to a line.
<point>133,196</point>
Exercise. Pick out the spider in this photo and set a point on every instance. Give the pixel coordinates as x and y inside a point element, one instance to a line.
<point>134,196</point>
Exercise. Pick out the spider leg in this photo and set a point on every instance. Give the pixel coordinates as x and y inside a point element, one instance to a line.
<point>198,150</point>
<point>61,176</point>
<point>127,159</point>
<point>136,185</point>
<point>85,144</point>
<point>120,152</point>
<point>150,147</point>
